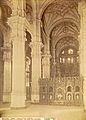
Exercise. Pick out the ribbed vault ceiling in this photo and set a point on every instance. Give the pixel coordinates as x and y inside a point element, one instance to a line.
<point>61,19</point>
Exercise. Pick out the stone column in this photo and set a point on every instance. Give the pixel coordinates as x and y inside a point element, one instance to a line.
<point>7,68</point>
<point>36,46</point>
<point>53,63</point>
<point>58,68</point>
<point>46,60</point>
<point>1,56</point>
<point>46,65</point>
<point>16,22</point>
<point>36,70</point>
<point>82,11</point>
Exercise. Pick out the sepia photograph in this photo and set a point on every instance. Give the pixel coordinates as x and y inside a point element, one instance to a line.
<point>42,59</point>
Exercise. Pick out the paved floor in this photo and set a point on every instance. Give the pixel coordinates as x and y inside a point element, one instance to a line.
<point>46,111</point>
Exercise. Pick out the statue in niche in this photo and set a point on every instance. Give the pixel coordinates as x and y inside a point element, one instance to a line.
<point>27,70</point>
<point>28,64</point>
<point>77,96</point>
<point>51,97</point>
<point>69,97</point>
<point>28,83</point>
<point>60,96</point>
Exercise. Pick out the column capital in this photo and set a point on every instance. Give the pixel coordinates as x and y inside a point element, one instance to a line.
<point>47,55</point>
<point>82,8</point>
<point>36,49</point>
<point>17,25</point>
<point>18,8</point>
<point>83,4</point>
<point>14,19</point>
<point>36,44</point>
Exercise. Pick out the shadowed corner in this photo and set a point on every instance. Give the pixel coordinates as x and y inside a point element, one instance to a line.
<point>1,112</point>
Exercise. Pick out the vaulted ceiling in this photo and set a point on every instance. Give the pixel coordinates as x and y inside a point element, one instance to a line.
<point>59,20</point>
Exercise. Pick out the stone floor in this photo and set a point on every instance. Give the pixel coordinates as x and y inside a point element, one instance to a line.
<point>45,111</point>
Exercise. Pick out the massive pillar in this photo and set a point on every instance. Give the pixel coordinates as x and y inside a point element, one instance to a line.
<point>16,21</point>
<point>82,11</point>
<point>7,68</point>
<point>46,65</point>
<point>36,46</point>
<point>36,70</point>
<point>46,60</point>
<point>1,57</point>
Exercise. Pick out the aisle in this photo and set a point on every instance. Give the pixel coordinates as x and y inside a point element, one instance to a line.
<point>46,111</point>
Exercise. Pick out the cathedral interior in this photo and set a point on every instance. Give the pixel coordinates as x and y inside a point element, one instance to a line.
<point>43,54</point>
